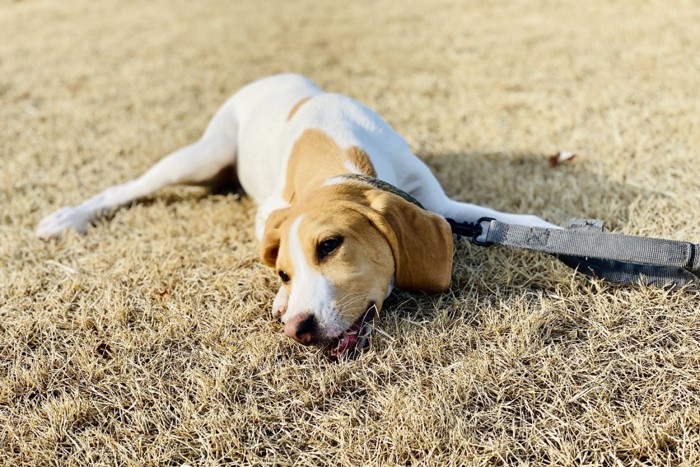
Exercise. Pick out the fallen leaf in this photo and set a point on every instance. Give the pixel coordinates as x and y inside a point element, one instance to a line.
<point>561,157</point>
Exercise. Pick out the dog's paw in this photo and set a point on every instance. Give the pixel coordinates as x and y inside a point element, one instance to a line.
<point>279,306</point>
<point>70,217</point>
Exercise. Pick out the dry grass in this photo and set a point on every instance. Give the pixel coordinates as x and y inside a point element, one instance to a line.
<point>149,342</point>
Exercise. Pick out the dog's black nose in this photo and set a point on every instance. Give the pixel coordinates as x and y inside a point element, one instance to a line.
<point>302,328</point>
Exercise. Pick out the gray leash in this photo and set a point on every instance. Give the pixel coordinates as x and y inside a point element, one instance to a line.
<point>624,259</point>
<point>584,246</point>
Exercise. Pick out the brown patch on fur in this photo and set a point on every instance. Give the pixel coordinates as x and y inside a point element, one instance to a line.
<point>316,157</point>
<point>360,160</point>
<point>296,107</point>
<point>347,269</point>
<point>420,241</point>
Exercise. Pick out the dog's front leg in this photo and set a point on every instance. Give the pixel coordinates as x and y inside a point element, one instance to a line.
<point>466,212</point>
<point>279,305</point>
<point>418,180</point>
<point>427,189</point>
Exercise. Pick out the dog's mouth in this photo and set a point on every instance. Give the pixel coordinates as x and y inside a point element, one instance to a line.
<point>355,338</point>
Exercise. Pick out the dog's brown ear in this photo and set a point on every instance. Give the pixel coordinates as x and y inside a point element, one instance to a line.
<point>420,240</point>
<point>270,244</point>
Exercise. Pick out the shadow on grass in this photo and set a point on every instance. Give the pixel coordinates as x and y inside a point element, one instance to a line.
<point>520,183</point>
<point>510,182</point>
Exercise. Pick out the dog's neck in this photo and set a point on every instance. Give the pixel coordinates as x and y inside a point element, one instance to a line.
<point>315,158</point>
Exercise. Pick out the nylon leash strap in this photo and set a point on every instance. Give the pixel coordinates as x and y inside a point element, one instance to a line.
<point>584,246</point>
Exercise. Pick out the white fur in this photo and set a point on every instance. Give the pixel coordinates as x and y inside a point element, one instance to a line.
<point>311,292</point>
<point>279,304</point>
<point>251,131</point>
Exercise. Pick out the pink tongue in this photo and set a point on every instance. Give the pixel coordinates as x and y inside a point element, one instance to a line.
<point>352,340</point>
<point>356,338</point>
<point>348,341</point>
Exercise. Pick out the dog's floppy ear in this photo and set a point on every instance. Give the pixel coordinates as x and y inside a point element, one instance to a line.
<point>270,244</point>
<point>421,241</point>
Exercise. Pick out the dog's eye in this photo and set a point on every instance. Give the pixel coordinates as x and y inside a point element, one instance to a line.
<point>284,276</point>
<point>327,247</point>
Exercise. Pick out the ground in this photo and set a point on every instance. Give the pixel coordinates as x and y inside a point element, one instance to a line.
<point>149,340</point>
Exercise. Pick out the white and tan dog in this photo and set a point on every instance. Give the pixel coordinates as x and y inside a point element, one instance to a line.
<point>338,244</point>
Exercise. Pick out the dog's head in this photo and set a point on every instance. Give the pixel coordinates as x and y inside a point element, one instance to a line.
<point>338,252</point>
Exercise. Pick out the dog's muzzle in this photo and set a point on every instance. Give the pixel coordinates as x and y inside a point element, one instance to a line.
<point>355,338</point>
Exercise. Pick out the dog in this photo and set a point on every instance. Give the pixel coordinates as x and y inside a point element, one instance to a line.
<point>338,243</point>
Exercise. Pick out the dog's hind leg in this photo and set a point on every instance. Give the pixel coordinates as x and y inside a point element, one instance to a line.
<point>200,163</point>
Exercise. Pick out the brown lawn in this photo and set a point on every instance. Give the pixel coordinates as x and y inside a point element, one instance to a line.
<point>148,341</point>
